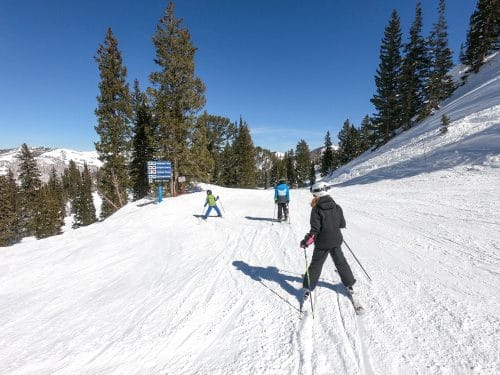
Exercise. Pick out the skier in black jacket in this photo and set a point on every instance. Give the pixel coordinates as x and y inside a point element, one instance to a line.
<point>326,220</point>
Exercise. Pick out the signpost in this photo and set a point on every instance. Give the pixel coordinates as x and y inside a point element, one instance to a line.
<point>159,171</point>
<point>182,180</point>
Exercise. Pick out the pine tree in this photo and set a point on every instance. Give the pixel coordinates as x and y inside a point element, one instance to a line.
<point>414,71</point>
<point>29,176</point>
<point>483,36</point>
<point>445,122</point>
<point>327,156</point>
<point>10,231</point>
<point>350,143</point>
<point>366,134</point>
<point>264,161</point>
<point>56,187</point>
<point>228,166</point>
<point>303,162</point>
<point>48,221</point>
<point>246,172</point>
<point>312,173</point>
<point>202,162</point>
<point>278,168</point>
<point>114,115</point>
<point>291,171</point>
<point>70,181</point>
<point>142,142</point>
<point>461,56</point>
<point>387,100</point>
<point>220,131</point>
<point>440,84</point>
<point>177,94</point>
<point>84,203</point>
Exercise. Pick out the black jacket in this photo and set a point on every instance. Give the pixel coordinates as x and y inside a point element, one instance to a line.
<point>326,220</point>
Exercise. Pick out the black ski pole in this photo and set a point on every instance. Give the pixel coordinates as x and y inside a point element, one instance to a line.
<point>366,273</point>
<point>309,284</point>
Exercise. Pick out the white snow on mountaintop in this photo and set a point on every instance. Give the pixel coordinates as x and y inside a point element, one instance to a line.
<point>155,290</point>
<point>79,157</point>
<point>48,158</point>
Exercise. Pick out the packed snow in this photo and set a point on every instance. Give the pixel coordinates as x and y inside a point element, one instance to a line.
<point>156,290</point>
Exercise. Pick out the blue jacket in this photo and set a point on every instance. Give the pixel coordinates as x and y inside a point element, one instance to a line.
<point>282,193</point>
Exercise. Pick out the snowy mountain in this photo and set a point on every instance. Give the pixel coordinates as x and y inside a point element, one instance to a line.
<point>155,290</point>
<point>46,158</point>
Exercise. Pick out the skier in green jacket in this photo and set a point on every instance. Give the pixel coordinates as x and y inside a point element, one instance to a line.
<point>211,201</point>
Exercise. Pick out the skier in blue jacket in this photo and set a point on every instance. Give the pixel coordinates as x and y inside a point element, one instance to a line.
<point>282,198</point>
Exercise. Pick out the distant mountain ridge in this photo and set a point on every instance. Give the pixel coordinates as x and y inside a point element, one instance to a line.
<point>47,158</point>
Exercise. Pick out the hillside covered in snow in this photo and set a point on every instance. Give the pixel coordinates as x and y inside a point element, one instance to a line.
<point>47,158</point>
<point>155,290</point>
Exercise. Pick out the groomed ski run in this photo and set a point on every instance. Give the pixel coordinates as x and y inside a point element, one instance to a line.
<point>152,291</point>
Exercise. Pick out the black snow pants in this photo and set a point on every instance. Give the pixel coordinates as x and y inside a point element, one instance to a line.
<point>318,259</point>
<point>282,209</point>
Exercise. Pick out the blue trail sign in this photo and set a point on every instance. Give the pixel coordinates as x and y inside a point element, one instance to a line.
<point>159,170</point>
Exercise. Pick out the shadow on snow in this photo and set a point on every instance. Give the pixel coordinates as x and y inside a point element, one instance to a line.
<point>284,280</point>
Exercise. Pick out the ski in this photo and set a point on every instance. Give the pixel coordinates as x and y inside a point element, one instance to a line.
<point>306,307</point>
<point>358,307</point>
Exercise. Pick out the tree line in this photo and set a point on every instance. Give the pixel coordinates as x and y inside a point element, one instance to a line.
<point>32,208</point>
<point>413,78</point>
<point>162,123</point>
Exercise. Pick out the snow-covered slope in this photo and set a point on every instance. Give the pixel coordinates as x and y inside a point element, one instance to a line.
<point>473,137</point>
<point>47,158</point>
<point>155,290</point>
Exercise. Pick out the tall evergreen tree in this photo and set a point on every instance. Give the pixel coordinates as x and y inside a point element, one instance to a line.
<point>10,231</point>
<point>246,171</point>
<point>177,94</point>
<point>387,100</point>
<point>303,162</point>
<point>483,36</point>
<point>228,166</point>
<point>202,160</point>
<point>56,188</point>
<point>291,169</point>
<point>349,143</point>
<point>312,173</point>
<point>48,220</point>
<point>461,56</point>
<point>440,84</point>
<point>327,156</point>
<point>220,131</point>
<point>142,142</point>
<point>70,180</point>
<point>278,168</point>
<point>29,176</point>
<point>114,115</point>
<point>264,160</point>
<point>414,71</point>
<point>84,203</point>
<point>366,134</point>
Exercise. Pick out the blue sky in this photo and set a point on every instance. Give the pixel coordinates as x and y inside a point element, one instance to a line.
<point>292,69</point>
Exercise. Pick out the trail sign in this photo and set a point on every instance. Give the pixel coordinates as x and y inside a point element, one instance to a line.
<point>159,170</point>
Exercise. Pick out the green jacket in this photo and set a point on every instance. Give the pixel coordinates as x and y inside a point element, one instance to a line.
<point>211,200</point>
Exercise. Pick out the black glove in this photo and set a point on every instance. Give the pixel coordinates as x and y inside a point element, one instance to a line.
<point>308,239</point>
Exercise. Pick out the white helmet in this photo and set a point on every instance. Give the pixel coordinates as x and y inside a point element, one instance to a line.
<point>320,189</point>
